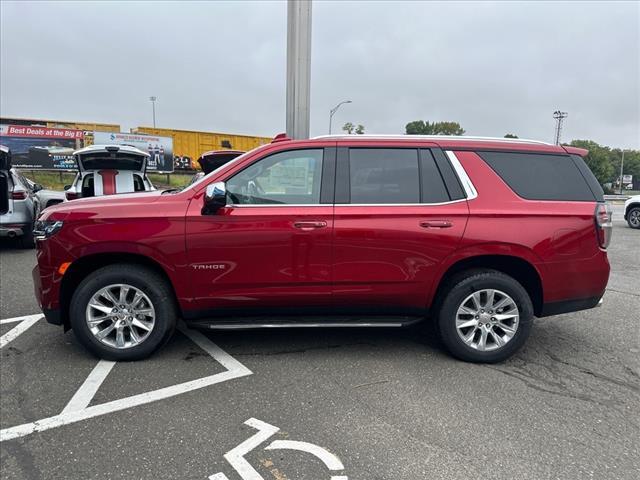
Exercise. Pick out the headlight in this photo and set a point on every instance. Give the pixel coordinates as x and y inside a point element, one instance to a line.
<point>46,228</point>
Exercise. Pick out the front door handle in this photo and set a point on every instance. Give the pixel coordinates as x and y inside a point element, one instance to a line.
<point>310,225</point>
<point>436,224</point>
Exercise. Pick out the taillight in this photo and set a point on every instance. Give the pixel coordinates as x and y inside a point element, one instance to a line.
<point>71,195</point>
<point>604,225</point>
<point>19,195</point>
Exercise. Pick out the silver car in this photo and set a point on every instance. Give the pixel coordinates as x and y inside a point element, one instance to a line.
<point>17,209</point>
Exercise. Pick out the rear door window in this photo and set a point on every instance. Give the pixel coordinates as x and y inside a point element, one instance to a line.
<point>384,175</point>
<point>541,177</point>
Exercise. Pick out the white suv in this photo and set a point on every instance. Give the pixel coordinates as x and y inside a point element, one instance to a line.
<point>632,211</point>
<point>108,170</point>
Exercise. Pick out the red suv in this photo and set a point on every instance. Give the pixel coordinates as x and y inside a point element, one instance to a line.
<point>478,235</point>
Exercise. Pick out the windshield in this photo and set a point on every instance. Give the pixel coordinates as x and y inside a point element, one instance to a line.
<point>232,162</point>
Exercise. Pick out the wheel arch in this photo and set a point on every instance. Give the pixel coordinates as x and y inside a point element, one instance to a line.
<point>629,207</point>
<point>84,266</point>
<point>516,267</point>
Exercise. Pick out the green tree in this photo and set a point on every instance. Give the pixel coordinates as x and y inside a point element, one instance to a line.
<point>510,135</point>
<point>420,127</point>
<point>348,127</point>
<point>359,129</point>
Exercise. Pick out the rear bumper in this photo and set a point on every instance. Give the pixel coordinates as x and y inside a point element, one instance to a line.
<point>566,306</point>
<point>12,230</point>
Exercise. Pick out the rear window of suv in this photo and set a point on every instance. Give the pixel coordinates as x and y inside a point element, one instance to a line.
<point>545,177</point>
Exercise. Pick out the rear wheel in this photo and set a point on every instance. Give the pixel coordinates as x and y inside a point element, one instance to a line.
<point>123,312</point>
<point>633,217</point>
<point>486,316</point>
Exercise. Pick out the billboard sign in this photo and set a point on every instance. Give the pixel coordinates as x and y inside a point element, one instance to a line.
<point>41,147</point>
<point>159,148</point>
<point>626,179</point>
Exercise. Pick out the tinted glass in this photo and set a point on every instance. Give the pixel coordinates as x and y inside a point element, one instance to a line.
<point>588,175</point>
<point>384,175</point>
<point>283,178</point>
<point>540,177</point>
<point>107,161</point>
<point>448,174</point>
<point>433,189</point>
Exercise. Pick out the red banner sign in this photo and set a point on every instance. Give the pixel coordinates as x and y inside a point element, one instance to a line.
<point>42,132</point>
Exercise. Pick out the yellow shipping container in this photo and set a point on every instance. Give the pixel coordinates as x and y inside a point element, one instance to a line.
<point>190,143</point>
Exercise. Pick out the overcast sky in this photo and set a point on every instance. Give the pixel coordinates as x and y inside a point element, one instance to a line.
<point>496,68</point>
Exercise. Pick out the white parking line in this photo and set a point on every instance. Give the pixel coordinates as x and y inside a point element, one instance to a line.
<point>20,319</point>
<point>234,369</point>
<point>89,388</point>
<point>23,326</point>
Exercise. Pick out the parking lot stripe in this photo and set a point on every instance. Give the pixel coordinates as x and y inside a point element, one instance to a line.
<point>88,389</point>
<point>20,319</point>
<point>19,329</point>
<point>235,369</point>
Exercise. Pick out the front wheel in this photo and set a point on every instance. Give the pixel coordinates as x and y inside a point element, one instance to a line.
<point>485,317</point>
<point>633,217</point>
<point>123,312</point>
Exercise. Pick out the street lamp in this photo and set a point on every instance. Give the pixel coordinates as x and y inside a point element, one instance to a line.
<point>334,110</point>
<point>153,104</point>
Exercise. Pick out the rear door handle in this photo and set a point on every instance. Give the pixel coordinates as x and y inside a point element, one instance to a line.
<point>436,224</point>
<point>310,225</point>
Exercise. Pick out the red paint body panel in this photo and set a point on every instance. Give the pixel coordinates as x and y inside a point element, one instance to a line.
<point>557,238</point>
<point>384,257</point>
<point>254,256</point>
<point>375,256</point>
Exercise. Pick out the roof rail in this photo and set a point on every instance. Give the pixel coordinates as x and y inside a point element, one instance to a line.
<point>434,137</point>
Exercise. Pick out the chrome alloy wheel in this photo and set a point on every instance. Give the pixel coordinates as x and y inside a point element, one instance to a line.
<point>487,320</point>
<point>120,316</point>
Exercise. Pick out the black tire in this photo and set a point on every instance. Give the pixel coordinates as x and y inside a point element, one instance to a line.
<point>633,217</point>
<point>460,288</point>
<point>153,285</point>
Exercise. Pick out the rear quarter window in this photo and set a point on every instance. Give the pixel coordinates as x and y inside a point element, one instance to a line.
<point>542,177</point>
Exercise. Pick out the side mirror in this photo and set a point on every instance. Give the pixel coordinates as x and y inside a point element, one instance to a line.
<point>215,197</point>
<point>67,187</point>
<point>37,187</point>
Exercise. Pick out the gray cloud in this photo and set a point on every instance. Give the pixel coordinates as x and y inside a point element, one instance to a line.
<point>496,68</point>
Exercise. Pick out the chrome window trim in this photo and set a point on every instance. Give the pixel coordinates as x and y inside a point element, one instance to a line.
<point>246,205</point>
<point>467,184</point>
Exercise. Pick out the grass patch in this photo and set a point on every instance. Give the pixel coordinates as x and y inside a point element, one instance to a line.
<point>57,180</point>
<point>50,180</point>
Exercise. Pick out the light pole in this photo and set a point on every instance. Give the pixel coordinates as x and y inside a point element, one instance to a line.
<point>334,110</point>
<point>621,169</point>
<point>153,104</point>
<point>559,116</point>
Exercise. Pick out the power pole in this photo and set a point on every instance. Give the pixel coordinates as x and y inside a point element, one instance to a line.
<point>298,67</point>
<point>559,116</point>
<point>621,168</point>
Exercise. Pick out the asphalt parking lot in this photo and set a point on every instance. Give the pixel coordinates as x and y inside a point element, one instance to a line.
<point>369,404</point>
